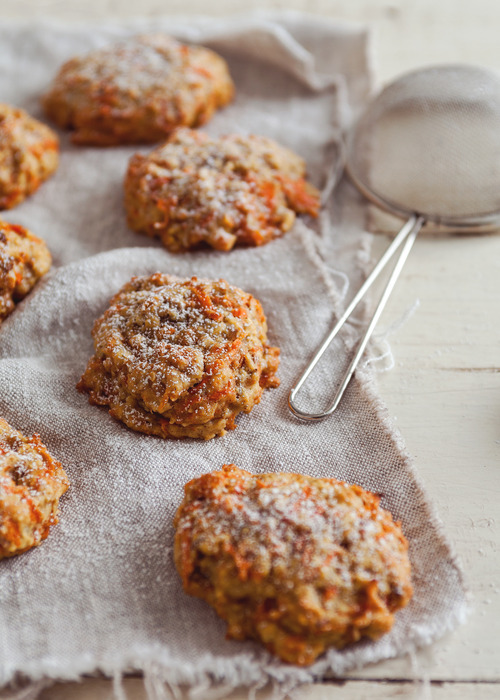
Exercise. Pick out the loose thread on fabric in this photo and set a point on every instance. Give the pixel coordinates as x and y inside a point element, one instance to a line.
<point>118,689</point>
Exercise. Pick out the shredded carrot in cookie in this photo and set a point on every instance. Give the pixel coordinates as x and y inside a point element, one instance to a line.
<point>221,192</point>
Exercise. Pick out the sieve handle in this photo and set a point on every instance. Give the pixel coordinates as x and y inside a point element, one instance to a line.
<point>407,235</point>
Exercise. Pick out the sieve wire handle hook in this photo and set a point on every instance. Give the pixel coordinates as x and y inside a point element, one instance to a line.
<point>406,236</point>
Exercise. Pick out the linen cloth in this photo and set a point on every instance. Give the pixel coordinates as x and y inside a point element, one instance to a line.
<point>102,594</point>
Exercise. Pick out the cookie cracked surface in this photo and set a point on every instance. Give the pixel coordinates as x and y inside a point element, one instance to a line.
<point>295,562</point>
<point>137,90</point>
<point>31,483</point>
<point>222,192</point>
<point>180,357</point>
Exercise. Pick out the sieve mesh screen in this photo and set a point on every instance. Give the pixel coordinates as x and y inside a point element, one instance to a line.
<point>430,143</point>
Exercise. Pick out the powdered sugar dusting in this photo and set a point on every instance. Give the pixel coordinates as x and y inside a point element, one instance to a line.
<point>31,483</point>
<point>180,357</point>
<point>297,562</point>
<point>138,90</point>
<point>24,258</point>
<point>233,189</point>
<point>300,523</point>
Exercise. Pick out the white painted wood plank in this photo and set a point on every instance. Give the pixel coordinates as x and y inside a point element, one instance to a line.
<point>349,690</point>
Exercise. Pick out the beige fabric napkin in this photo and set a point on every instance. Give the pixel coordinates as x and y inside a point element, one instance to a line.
<point>101,594</point>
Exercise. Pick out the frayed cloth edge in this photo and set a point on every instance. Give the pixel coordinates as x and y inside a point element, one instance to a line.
<point>225,675</point>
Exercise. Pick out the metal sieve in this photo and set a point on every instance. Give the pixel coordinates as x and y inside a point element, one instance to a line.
<point>426,149</point>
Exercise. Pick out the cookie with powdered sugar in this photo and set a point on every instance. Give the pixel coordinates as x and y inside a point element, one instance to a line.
<point>29,154</point>
<point>31,484</point>
<point>138,90</point>
<point>295,562</point>
<point>233,190</point>
<point>24,259</point>
<point>180,357</point>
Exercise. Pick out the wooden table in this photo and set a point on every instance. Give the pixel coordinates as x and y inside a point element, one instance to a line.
<point>444,391</point>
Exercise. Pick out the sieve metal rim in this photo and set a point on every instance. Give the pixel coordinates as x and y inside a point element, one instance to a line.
<point>486,222</point>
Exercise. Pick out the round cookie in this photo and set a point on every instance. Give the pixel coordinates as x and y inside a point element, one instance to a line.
<point>31,483</point>
<point>227,191</point>
<point>29,154</point>
<point>24,258</point>
<point>138,90</point>
<point>180,357</point>
<point>295,562</point>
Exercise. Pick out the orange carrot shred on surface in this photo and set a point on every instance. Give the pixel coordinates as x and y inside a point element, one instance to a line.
<point>303,196</point>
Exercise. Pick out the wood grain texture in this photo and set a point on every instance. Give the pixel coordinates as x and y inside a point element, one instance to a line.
<point>344,690</point>
<point>444,390</point>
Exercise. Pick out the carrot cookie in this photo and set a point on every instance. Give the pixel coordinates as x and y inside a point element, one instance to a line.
<point>297,563</point>
<point>180,357</point>
<point>224,191</point>
<point>138,90</point>
<point>24,258</point>
<point>31,483</point>
<point>29,154</point>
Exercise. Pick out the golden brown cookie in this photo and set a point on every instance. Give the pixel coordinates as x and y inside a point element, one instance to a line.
<point>24,258</point>
<point>222,192</point>
<point>31,483</point>
<point>138,90</point>
<point>295,562</point>
<point>180,357</point>
<point>29,154</point>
